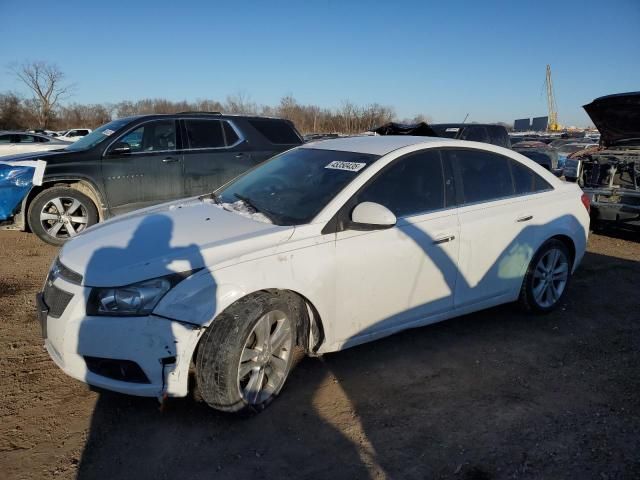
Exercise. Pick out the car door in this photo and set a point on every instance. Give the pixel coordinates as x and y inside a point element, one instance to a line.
<point>214,154</point>
<point>497,227</point>
<point>143,167</point>
<point>388,279</point>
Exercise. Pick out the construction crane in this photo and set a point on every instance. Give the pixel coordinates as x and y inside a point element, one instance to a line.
<point>552,124</point>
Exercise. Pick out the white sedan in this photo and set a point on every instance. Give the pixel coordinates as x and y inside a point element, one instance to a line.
<point>74,134</point>
<point>15,143</point>
<point>323,247</point>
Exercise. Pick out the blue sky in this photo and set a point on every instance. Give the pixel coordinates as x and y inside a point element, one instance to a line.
<point>441,59</point>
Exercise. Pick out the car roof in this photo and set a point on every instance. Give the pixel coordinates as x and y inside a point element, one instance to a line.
<point>376,145</point>
<point>218,115</point>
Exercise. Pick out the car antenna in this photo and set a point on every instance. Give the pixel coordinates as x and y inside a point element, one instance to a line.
<point>465,118</point>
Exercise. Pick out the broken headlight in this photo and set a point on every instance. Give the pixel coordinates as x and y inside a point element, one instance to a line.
<point>137,299</point>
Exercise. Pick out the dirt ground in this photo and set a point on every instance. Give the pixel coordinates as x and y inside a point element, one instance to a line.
<point>496,394</point>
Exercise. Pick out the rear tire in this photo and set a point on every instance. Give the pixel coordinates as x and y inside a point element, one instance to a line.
<point>547,278</point>
<point>59,213</point>
<point>246,354</point>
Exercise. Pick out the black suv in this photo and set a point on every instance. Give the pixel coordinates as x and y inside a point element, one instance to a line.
<point>136,162</point>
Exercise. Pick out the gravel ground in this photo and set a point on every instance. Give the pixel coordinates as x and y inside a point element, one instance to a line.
<point>496,394</point>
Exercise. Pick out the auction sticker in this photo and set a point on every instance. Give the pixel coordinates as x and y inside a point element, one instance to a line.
<point>108,132</point>
<point>348,166</point>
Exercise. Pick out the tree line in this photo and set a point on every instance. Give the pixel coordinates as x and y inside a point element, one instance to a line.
<point>19,113</point>
<point>46,109</point>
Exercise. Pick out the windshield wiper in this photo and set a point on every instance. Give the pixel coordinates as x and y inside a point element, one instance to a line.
<point>248,202</point>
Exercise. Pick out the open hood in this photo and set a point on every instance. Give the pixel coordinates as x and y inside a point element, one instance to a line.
<point>617,117</point>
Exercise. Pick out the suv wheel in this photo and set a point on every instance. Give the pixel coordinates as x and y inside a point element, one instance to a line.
<point>59,213</point>
<point>246,354</point>
<point>547,278</point>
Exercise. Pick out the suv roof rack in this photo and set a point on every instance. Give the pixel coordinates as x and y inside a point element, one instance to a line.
<point>196,111</point>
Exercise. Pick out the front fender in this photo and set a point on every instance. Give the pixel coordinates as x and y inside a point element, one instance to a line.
<point>198,299</point>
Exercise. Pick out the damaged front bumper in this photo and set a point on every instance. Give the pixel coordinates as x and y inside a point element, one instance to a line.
<point>145,356</point>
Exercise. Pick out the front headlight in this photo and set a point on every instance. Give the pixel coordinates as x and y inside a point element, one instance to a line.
<point>137,299</point>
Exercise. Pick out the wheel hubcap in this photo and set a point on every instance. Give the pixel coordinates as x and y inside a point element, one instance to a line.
<point>550,277</point>
<point>64,217</point>
<point>265,358</point>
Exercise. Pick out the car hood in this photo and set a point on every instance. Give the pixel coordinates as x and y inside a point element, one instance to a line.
<point>171,238</point>
<point>42,155</point>
<point>617,117</point>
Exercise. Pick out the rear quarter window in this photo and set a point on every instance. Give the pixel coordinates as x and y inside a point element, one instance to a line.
<point>526,180</point>
<point>277,132</point>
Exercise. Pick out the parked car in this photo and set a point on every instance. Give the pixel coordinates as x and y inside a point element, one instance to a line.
<point>610,175</point>
<point>325,246</point>
<point>564,151</point>
<point>494,134</point>
<point>140,161</point>
<point>74,134</point>
<point>540,153</point>
<point>13,143</point>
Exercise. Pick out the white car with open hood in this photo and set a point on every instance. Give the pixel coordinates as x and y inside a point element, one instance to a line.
<point>323,247</point>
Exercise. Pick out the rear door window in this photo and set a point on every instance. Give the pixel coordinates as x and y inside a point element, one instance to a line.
<point>27,139</point>
<point>411,185</point>
<point>5,139</point>
<point>204,134</point>
<point>485,176</point>
<point>276,131</point>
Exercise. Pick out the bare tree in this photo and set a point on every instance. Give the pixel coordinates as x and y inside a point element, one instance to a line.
<point>45,80</point>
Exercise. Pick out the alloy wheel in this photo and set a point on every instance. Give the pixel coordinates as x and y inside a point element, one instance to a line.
<point>550,277</point>
<point>264,361</point>
<point>64,217</point>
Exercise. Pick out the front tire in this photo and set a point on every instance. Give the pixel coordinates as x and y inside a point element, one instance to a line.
<point>547,278</point>
<point>59,213</point>
<point>246,354</point>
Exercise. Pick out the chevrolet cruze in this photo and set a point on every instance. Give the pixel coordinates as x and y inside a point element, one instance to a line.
<point>325,246</point>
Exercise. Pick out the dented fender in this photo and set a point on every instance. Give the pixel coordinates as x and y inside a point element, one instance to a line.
<point>198,299</point>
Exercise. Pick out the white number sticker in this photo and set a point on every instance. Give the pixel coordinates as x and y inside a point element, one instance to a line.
<point>349,166</point>
<point>452,129</point>
<point>108,132</point>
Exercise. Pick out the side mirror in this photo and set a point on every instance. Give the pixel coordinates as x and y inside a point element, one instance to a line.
<point>120,148</point>
<point>371,216</point>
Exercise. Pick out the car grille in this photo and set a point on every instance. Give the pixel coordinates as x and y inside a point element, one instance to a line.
<point>56,300</point>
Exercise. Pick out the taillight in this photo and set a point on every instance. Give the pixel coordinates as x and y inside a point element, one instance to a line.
<point>586,201</point>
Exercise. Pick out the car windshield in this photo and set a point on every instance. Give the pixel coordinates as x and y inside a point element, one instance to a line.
<point>292,188</point>
<point>98,135</point>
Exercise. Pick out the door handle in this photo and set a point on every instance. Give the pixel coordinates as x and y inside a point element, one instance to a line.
<point>169,160</point>
<point>524,218</point>
<point>239,155</point>
<point>445,239</point>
